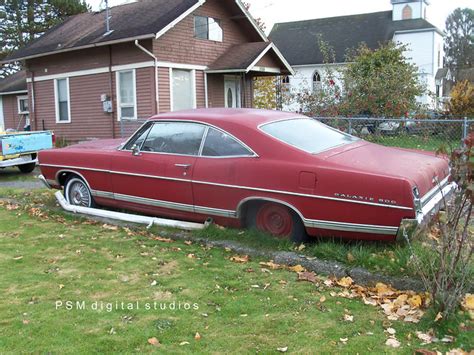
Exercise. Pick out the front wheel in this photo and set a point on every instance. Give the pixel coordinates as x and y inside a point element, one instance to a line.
<point>27,168</point>
<point>277,220</point>
<point>77,193</point>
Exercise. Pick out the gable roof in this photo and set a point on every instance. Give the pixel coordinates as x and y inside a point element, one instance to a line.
<point>138,20</point>
<point>244,57</point>
<point>298,41</point>
<point>14,83</point>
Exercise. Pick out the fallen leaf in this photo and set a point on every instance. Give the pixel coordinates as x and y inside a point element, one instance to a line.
<point>188,242</point>
<point>164,240</point>
<point>301,247</point>
<point>184,343</point>
<point>240,259</point>
<point>153,341</point>
<point>153,283</point>
<point>191,256</point>
<point>415,301</point>
<point>426,338</point>
<point>109,227</point>
<point>197,336</point>
<point>283,350</point>
<point>438,317</point>
<point>468,302</point>
<point>390,331</point>
<point>392,342</point>
<point>297,268</point>
<point>307,276</point>
<point>350,257</point>
<point>345,282</point>
<point>61,286</point>
<point>322,299</point>
<point>348,318</point>
<point>271,265</point>
<point>18,257</point>
<point>26,321</point>
<point>343,340</point>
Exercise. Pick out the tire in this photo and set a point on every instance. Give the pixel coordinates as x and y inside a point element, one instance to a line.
<point>278,220</point>
<point>77,192</point>
<point>27,168</point>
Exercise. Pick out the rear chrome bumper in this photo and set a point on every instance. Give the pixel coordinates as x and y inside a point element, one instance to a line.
<point>431,203</point>
<point>26,159</point>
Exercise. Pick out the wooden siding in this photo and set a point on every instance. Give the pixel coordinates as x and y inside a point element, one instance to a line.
<point>270,60</point>
<point>91,58</point>
<point>10,112</point>
<point>164,89</point>
<point>200,89</point>
<point>215,83</point>
<point>179,45</point>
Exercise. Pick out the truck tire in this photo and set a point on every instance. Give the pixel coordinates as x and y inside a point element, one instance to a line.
<point>27,168</point>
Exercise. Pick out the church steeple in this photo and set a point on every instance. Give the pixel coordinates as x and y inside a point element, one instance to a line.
<point>409,9</point>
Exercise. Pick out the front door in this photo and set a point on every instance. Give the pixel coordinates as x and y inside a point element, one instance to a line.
<point>158,178</point>
<point>232,91</point>
<point>2,120</point>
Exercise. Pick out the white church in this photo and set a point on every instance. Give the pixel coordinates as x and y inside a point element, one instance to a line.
<point>407,23</point>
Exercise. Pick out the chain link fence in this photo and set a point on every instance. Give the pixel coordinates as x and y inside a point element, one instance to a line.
<point>426,134</point>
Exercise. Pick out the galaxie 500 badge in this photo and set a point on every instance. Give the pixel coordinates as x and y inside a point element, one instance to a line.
<point>365,198</point>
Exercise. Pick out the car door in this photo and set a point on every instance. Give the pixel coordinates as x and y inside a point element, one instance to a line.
<point>224,165</point>
<point>153,171</point>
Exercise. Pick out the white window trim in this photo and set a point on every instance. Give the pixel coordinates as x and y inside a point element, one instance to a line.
<point>193,86</point>
<point>18,99</point>
<point>56,102</point>
<point>119,107</point>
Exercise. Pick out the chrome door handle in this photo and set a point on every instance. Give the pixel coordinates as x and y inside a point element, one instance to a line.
<point>184,166</point>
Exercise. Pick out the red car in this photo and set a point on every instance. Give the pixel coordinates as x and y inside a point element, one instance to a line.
<point>280,172</point>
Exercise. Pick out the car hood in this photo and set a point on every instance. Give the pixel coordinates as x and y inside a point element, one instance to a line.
<point>100,144</point>
<point>419,167</point>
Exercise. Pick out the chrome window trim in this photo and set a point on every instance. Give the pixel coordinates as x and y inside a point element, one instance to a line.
<point>251,155</point>
<point>237,187</point>
<point>300,149</point>
<point>207,125</point>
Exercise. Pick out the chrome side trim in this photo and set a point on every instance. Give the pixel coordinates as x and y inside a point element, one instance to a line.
<point>351,227</point>
<point>310,223</point>
<point>71,171</point>
<point>240,187</point>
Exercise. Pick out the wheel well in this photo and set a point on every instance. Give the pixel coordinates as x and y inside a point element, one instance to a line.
<point>246,206</point>
<point>63,176</point>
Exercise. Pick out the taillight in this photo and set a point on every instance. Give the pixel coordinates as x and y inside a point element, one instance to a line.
<point>53,138</point>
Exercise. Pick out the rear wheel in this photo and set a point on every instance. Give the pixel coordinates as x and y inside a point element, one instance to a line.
<point>27,168</point>
<point>277,220</point>
<point>77,192</point>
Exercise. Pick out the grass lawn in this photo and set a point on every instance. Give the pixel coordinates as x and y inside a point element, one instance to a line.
<point>47,258</point>
<point>13,174</point>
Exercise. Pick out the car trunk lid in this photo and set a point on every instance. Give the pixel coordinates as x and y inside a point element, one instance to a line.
<point>423,169</point>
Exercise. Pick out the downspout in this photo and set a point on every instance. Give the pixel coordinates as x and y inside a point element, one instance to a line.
<point>157,97</point>
<point>33,106</point>
<point>111,88</point>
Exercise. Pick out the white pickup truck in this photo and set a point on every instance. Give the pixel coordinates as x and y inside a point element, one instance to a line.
<point>20,149</point>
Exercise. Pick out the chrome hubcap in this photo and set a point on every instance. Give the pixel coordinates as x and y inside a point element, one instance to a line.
<point>79,195</point>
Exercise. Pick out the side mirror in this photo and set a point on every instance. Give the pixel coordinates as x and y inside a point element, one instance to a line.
<point>135,150</point>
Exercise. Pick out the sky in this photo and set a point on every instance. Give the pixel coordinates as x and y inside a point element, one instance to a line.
<point>273,11</point>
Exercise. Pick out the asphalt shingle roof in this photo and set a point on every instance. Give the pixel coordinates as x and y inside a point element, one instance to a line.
<point>13,82</point>
<point>142,18</point>
<point>298,41</point>
<point>239,56</point>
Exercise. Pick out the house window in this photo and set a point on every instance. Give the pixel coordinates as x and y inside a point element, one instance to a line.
<point>183,91</point>
<point>316,82</point>
<point>23,107</point>
<point>407,13</point>
<point>208,28</point>
<point>126,95</point>
<point>63,107</point>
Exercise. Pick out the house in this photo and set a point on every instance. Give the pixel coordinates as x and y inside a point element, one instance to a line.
<point>406,23</point>
<point>445,81</point>
<point>14,103</point>
<point>90,76</point>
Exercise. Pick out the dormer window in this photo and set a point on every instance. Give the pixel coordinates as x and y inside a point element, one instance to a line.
<point>208,28</point>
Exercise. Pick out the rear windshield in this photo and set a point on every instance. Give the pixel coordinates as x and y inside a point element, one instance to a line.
<point>307,134</point>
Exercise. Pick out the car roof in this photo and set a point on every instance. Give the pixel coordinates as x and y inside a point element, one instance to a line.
<point>250,118</point>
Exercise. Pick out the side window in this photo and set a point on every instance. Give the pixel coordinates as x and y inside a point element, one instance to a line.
<point>139,137</point>
<point>174,138</point>
<point>220,144</point>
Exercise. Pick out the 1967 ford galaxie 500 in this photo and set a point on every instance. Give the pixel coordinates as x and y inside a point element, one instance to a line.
<point>282,173</point>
